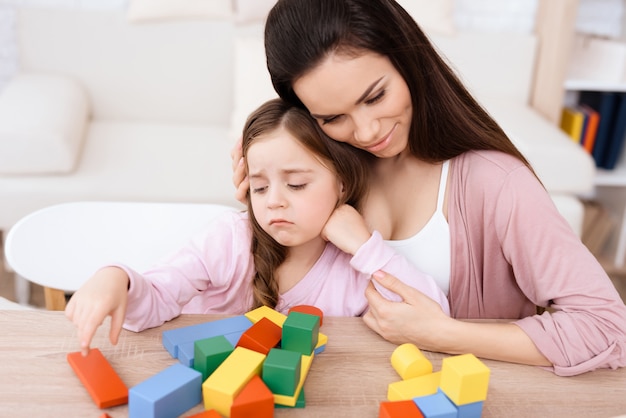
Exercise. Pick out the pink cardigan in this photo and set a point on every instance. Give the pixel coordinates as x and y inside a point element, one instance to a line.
<point>512,250</point>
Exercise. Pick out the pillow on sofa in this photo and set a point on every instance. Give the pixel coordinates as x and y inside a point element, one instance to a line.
<point>148,10</point>
<point>42,124</point>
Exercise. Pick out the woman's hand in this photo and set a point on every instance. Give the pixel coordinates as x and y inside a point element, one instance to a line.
<point>417,319</point>
<point>104,294</point>
<point>240,180</point>
<point>346,229</point>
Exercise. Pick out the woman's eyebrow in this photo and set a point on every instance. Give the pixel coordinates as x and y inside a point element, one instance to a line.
<point>359,100</point>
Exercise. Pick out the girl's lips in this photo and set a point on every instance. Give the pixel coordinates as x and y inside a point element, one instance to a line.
<point>383,143</point>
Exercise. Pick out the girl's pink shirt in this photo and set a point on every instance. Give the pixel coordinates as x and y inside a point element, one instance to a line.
<point>213,274</point>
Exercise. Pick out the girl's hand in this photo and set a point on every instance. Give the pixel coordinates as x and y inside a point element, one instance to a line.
<point>104,294</point>
<point>240,180</point>
<point>417,319</point>
<point>347,229</point>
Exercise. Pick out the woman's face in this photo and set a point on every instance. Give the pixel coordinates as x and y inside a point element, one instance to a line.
<point>292,193</point>
<point>362,100</point>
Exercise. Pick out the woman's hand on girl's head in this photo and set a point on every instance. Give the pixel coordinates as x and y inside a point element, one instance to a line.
<point>417,319</point>
<point>240,180</point>
<point>104,294</point>
<point>347,229</point>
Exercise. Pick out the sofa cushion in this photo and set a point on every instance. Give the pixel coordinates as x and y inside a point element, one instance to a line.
<point>42,124</point>
<point>148,10</point>
<point>132,162</point>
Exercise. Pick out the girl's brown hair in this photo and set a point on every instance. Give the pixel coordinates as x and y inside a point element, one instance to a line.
<point>446,122</point>
<point>347,163</point>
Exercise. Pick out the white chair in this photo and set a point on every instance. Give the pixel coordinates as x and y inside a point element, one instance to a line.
<point>61,246</point>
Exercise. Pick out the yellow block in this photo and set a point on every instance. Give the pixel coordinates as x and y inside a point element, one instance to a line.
<point>224,384</point>
<point>405,390</point>
<point>464,379</point>
<point>304,370</point>
<point>279,319</point>
<point>409,361</point>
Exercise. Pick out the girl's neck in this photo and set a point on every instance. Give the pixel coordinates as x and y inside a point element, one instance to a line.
<point>300,260</point>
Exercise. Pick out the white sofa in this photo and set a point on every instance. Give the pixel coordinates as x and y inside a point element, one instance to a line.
<point>121,111</point>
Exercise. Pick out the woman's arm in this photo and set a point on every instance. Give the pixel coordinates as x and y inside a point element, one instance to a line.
<point>420,320</point>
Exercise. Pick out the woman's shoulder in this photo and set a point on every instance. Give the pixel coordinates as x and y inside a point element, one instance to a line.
<point>488,161</point>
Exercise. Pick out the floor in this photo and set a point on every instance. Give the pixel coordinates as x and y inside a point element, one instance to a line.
<point>37,299</point>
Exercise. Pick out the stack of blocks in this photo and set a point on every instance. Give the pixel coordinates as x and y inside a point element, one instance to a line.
<point>239,366</point>
<point>457,391</point>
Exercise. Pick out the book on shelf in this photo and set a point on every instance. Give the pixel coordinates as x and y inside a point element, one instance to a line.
<point>572,122</point>
<point>591,128</point>
<point>617,134</point>
<point>605,103</point>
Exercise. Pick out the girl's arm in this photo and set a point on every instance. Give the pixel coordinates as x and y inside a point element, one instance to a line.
<point>104,294</point>
<point>347,230</point>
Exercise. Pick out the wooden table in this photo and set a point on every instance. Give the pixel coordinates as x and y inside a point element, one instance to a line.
<point>349,379</point>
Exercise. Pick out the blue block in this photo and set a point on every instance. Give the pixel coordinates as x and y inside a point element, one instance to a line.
<point>174,337</point>
<point>436,405</point>
<point>320,349</point>
<point>470,410</point>
<point>166,394</point>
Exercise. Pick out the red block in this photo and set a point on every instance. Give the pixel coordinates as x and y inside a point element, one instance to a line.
<point>399,409</point>
<point>261,336</point>
<point>254,400</point>
<point>308,309</point>
<point>101,381</point>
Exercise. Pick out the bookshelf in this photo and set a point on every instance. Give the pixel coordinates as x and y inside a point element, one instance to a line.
<point>610,185</point>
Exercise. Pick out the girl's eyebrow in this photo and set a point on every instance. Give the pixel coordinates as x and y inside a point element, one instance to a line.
<point>366,93</point>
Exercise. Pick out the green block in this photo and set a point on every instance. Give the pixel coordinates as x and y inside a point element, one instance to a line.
<point>281,371</point>
<point>300,333</point>
<point>209,353</point>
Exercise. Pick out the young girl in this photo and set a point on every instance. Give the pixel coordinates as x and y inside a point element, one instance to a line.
<point>300,242</point>
<point>449,190</point>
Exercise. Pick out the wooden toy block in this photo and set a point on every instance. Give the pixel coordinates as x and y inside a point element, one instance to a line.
<point>292,400</point>
<point>436,405</point>
<point>281,371</point>
<point>102,382</point>
<point>209,353</point>
<point>266,312</point>
<point>308,309</point>
<point>105,415</point>
<point>220,388</point>
<point>300,333</point>
<point>399,409</point>
<point>168,393</point>
<point>470,410</point>
<point>254,400</point>
<point>186,351</point>
<point>464,379</point>
<point>411,388</point>
<point>279,319</point>
<point>300,402</point>
<point>174,337</point>
<point>408,361</point>
<point>206,414</point>
<point>262,336</point>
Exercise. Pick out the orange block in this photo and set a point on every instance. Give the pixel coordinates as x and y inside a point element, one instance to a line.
<point>261,337</point>
<point>254,400</point>
<point>212,413</point>
<point>308,309</point>
<point>399,409</point>
<point>101,381</point>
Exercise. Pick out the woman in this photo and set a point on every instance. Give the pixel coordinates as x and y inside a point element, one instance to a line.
<point>449,190</point>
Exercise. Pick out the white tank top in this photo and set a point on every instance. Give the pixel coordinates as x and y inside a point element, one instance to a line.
<point>429,249</point>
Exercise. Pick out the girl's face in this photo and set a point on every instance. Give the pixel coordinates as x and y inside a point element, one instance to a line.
<point>361,100</point>
<point>292,193</point>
